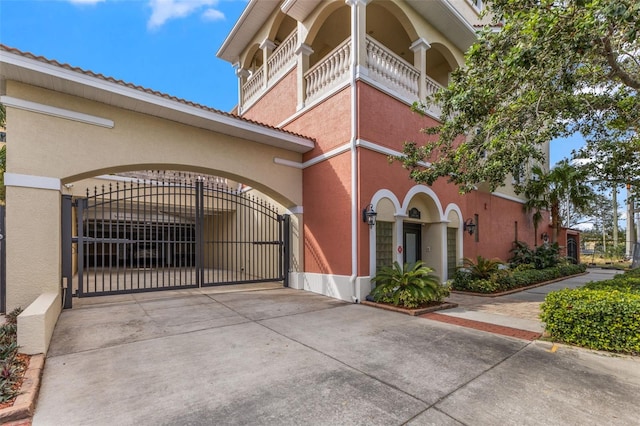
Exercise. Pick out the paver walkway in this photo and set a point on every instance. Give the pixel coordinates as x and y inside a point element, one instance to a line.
<point>516,314</point>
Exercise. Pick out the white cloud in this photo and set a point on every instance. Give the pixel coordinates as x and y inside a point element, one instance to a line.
<point>164,10</point>
<point>213,15</point>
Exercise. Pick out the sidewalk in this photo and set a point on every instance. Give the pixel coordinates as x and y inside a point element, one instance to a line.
<point>516,314</point>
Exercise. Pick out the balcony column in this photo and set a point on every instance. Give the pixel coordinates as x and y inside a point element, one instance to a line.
<point>303,52</point>
<point>242,75</point>
<point>359,34</point>
<point>419,48</point>
<point>267,47</point>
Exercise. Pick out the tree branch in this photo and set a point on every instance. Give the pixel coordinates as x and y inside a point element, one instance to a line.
<point>616,70</point>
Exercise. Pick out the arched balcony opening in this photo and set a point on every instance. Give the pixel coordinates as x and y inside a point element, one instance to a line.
<point>270,60</point>
<point>440,64</point>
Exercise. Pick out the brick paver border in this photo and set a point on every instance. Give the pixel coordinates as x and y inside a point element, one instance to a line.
<point>483,326</point>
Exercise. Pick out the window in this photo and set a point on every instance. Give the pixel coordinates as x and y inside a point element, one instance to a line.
<point>384,244</point>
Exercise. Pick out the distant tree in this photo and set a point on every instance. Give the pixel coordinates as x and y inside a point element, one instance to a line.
<point>563,185</point>
<point>545,69</point>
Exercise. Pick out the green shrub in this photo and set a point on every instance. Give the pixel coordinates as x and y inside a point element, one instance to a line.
<point>508,279</point>
<point>10,366</point>
<point>409,286</point>
<point>626,284</point>
<point>481,268</point>
<point>542,257</point>
<point>598,319</point>
<point>522,254</point>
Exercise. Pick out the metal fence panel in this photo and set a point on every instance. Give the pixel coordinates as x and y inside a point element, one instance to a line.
<point>143,237</point>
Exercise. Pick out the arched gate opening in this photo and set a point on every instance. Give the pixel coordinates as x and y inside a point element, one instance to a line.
<point>139,236</point>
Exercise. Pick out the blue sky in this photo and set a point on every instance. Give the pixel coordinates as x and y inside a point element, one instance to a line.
<point>165,45</point>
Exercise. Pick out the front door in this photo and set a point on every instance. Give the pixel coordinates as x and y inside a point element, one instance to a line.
<point>412,241</point>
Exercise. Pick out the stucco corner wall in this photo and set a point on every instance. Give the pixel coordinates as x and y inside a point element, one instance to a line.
<point>33,244</point>
<point>36,323</point>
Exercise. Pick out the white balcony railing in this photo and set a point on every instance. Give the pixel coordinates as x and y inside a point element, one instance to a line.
<point>432,87</point>
<point>328,73</point>
<point>391,70</point>
<point>384,67</point>
<point>277,64</point>
<point>253,86</point>
<point>282,56</point>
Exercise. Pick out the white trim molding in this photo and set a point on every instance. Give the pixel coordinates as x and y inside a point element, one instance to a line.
<point>288,163</point>
<point>55,112</point>
<point>332,153</point>
<point>372,146</point>
<point>30,181</point>
<point>295,210</point>
<point>508,197</point>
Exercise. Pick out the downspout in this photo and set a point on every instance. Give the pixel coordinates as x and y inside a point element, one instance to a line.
<point>354,157</point>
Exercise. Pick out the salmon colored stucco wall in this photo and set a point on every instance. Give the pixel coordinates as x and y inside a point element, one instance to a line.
<point>387,121</point>
<point>327,216</point>
<point>329,123</point>
<point>278,104</point>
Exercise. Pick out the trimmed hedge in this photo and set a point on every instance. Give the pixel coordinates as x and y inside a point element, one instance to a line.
<point>603,319</point>
<point>509,279</point>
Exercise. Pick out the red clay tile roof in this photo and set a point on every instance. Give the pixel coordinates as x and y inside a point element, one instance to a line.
<point>141,89</point>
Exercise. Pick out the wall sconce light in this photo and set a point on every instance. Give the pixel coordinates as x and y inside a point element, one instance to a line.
<point>369,215</point>
<point>469,226</point>
<point>544,237</point>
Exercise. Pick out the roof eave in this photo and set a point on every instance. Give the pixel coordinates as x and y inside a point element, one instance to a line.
<point>15,67</point>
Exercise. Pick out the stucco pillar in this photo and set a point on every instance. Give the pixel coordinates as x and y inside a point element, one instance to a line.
<point>419,48</point>
<point>435,248</point>
<point>33,242</point>
<point>267,47</point>
<point>303,52</point>
<point>399,232</point>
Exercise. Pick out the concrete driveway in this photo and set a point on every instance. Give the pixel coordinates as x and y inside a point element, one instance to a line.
<point>288,357</point>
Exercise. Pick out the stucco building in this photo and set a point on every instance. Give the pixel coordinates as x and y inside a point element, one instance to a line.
<point>324,95</point>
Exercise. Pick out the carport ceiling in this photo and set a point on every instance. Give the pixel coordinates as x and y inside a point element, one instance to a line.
<point>38,71</point>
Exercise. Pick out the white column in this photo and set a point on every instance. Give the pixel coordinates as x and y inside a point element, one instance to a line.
<point>242,75</point>
<point>419,48</point>
<point>359,39</point>
<point>303,52</point>
<point>267,47</point>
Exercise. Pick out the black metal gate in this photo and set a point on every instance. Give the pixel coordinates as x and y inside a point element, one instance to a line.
<point>141,237</point>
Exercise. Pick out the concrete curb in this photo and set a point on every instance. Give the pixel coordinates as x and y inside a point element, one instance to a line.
<point>412,312</point>
<point>519,289</point>
<point>25,404</point>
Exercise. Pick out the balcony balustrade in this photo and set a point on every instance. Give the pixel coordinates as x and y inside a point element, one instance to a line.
<point>391,70</point>
<point>383,67</point>
<point>329,72</point>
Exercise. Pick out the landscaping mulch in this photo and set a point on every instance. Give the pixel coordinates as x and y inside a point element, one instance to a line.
<point>427,307</point>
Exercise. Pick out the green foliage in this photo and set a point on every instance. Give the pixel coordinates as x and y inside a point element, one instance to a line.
<point>481,268</point>
<point>598,319</point>
<point>10,367</point>
<point>504,280</point>
<point>542,257</point>
<point>628,282</point>
<point>522,254</point>
<point>409,286</point>
<point>547,69</point>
